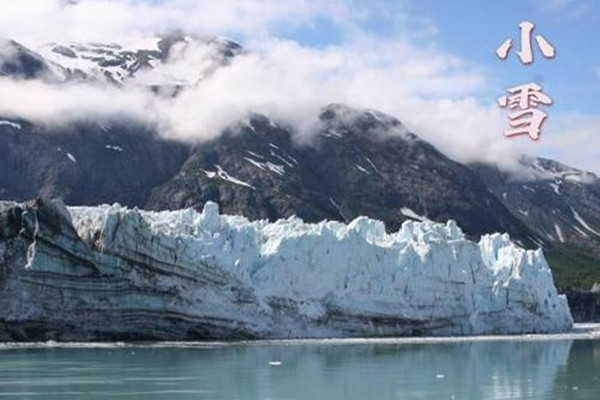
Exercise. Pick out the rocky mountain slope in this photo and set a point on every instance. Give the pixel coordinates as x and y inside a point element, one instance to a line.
<point>88,163</point>
<point>109,273</point>
<point>361,163</point>
<point>562,204</point>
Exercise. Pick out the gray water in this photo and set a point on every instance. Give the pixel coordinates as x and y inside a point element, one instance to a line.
<point>560,369</point>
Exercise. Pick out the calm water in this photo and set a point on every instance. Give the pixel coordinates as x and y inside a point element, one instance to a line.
<point>562,369</point>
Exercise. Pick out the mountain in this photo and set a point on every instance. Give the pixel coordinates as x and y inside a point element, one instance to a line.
<point>358,165</point>
<point>109,273</point>
<point>359,161</point>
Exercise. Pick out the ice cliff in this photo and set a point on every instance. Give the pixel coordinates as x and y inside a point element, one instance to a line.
<point>111,273</point>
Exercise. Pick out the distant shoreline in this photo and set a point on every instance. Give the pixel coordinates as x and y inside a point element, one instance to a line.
<point>580,331</point>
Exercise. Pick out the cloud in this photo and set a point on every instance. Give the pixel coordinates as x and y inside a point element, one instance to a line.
<point>572,136</point>
<point>290,82</point>
<point>41,20</point>
<point>51,104</point>
<point>565,9</point>
<point>284,80</point>
<point>405,75</point>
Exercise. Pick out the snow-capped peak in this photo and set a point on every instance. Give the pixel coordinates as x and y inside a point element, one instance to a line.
<point>113,62</point>
<point>151,61</point>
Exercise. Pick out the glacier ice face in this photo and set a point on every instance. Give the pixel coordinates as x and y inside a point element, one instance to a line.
<point>112,272</point>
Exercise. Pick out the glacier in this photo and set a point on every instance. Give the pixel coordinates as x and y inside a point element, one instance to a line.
<point>112,273</point>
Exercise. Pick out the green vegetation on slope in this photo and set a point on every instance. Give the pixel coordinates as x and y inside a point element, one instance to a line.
<point>573,267</point>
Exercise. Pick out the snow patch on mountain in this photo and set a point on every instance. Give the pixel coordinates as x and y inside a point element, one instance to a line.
<point>222,174</point>
<point>104,61</point>
<point>407,212</point>
<point>361,169</point>
<point>559,233</point>
<point>278,169</point>
<point>583,222</point>
<point>114,148</point>
<point>157,62</point>
<point>10,124</point>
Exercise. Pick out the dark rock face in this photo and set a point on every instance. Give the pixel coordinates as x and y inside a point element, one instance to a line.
<point>81,293</point>
<point>19,62</point>
<point>585,306</point>
<point>85,164</point>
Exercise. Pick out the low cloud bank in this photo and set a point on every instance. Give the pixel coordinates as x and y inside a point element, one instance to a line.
<point>435,94</point>
<point>288,83</point>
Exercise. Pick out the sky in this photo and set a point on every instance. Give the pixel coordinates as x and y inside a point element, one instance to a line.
<point>472,30</point>
<point>430,63</point>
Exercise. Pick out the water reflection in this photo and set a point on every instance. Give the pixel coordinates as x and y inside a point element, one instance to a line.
<point>482,370</point>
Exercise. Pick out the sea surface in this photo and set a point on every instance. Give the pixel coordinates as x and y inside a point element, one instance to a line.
<point>549,367</point>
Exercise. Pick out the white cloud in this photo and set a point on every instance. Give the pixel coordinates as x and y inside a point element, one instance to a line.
<point>572,137</point>
<point>50,104</point>
<point>431,91</point>
<point>564,9</point>
<point>41,20</point>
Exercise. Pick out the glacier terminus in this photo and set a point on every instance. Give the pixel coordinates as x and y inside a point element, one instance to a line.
<point>113,273</point>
